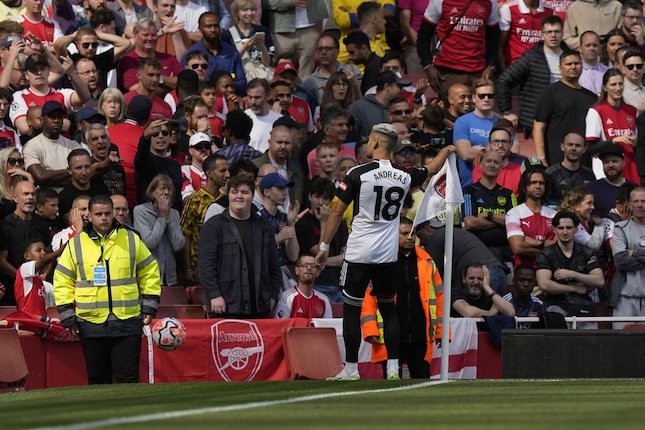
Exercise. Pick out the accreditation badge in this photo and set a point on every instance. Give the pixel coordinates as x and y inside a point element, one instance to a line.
<point>100,276</point>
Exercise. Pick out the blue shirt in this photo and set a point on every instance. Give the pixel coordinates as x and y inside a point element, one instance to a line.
<point>476,130</point>
<point>227,58</point>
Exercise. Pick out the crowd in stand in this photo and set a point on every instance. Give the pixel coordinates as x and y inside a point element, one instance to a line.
<point>221,130</point>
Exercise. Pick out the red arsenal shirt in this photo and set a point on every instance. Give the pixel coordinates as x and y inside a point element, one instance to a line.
<point>30,290</point>
<point>523,27</point>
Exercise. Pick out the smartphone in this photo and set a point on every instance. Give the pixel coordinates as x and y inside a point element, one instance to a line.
<point>259,34</point>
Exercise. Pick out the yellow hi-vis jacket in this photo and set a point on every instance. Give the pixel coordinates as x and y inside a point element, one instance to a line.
<point>131,284</point>
<point>431,291</point>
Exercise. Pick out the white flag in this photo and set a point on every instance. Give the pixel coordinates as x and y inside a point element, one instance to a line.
<point>444,187</point>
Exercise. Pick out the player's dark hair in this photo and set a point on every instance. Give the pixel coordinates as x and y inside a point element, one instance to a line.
<point>210,162</point>
<point>27,244</point>
<point>322,186</point>
<point>526,177</point>
<point>239,124</point>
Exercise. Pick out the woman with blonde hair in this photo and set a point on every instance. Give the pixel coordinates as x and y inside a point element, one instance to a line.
<point>158,225</point>
<point>12,171</point>
<point>593,231</point>
<point>112,105</point>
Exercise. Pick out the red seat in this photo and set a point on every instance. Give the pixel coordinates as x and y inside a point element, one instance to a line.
<point>6,310</point>
<point>181,311</point>
<point>195,295</point>
<point>52,312</point>
<point>13,368</point>
<point>311,352</point>
<point>173,295</point>
<point>337,310</point>
<point>635,327</point>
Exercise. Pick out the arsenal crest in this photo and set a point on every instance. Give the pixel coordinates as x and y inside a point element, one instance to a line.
<point>237,349</point>
<point>440,186</point>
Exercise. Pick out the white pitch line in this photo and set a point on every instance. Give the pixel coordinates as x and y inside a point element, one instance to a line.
<point>231,408</point>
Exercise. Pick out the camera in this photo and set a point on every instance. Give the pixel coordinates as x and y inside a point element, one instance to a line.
<point>437,140</point>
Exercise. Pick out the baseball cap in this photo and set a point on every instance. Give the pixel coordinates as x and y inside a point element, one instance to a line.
<point>386,129</point>
<point>432,222</point>
<point>405,143</point>
<point>609,149</point>
<point>198,138</point>
<point>275,180</point>
<point>35,60</point>
<point>90,115</point>
<point>52,106</point>
<point>139,109</point>
<point>284,66</point>
<point>389,77</point>
<point>288,121</point>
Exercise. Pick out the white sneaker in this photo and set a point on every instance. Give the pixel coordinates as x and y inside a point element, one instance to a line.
<point>342,376</point>
<point>393,376</point>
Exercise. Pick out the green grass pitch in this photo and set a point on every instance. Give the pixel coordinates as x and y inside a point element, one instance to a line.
<point>497,405</point>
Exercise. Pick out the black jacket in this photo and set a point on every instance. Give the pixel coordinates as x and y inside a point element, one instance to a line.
<point>222,265</point>
<point>531,72</point>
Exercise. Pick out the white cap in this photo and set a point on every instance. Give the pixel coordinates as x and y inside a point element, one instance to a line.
<point>198,138</point>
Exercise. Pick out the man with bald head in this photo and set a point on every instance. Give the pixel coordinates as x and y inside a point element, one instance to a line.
<point>460,100</point>
<point>120,209</point>
<point>15,229</point>
<point>280,149</point>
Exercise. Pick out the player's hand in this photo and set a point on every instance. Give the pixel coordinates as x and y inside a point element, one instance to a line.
<point>218,305</point>
<point>321,258</point>
<point>147,319</point>
<point>629,140</point>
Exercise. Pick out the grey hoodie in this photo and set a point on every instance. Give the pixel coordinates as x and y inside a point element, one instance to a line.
<point>367,112</point>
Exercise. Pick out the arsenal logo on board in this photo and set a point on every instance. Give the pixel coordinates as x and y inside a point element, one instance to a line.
<point>237,348</point>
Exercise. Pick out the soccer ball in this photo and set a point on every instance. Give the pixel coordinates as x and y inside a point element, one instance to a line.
<point>168,333</point>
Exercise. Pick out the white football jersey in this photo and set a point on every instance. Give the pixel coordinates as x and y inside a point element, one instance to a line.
<point>377,189</point>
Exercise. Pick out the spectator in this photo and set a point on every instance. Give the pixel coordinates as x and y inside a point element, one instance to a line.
<point>525,304</point>
<point>633,71</point>
<point>221,55</point>
<point>30,290</point>
<point>79,165</point>
<point>193,175</point>
<point>304,18</point>
<point>567,271</point>
<point>327,49</point>
<point>192,215</point>
<point>287,70</point>
<point>472,129</point>
<point>468,249</point>
<point>569,173</point>
<point>372,109</point>
<point>287,104</point>
<point>79,217</point>
<point>8,136</point>
<point>121,210</point>
<point>528,225</point>
<point>127,13</point>
<point>605,190</point>
<point>278,154</point>
<point>105,159</point>
<point>15,229</point>
<point>594,234</point>
<point>460,102</point>
<point>112,105</point>
<point>132,299</point>
<point>253,42</point>
<point>46,154</point>
<point>600,16</point>
<point>259,110</point>
<point>39,92</point>
<point>327,159</point>
<point>627,287</point>
<point>47,208</point>
<point>519,22</point>
<point>35,23</point>
<point>152,158</point>
<point>534,70</point>
<point>10,11</point>
<point>560,108</point>
<point>198,61</point>
<point>237,131</point>
<point>613,121</point>
<point>592,68</point>
<point>477,298</point>
<point>486,204</point>
<point>246,282</point>
<point>145,44</point>
<point>302,300</point>
<point>613,43</point>
<point>173,38</point>
<point>125,136</point>
<point>189,12</point>
<point>622,211</point>
<point>631,20</point>
<point>357,45</point>
<point>149,75</point>
<point>419,303</point>
<point>86,41</point>
<point>512,164</point>
<point>86,69</point>
<point>12,169</point>
<point>469,44</point>
<point>338,90</point>
<point>34,123</point>
<point>410,18</point>
<point>158,225</point>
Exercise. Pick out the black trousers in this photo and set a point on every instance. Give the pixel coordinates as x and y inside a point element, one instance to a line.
<point>112,359</point>
<point>414,355</point>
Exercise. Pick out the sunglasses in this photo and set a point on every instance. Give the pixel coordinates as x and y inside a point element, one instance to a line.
<point>15,161</point>
<point>86,45</point>
<point>486,96</point>
<point>199,66</point>
<point>163,133</point>
<point>202,146</point>
<point>632,66</point>
<point>401,112</point>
